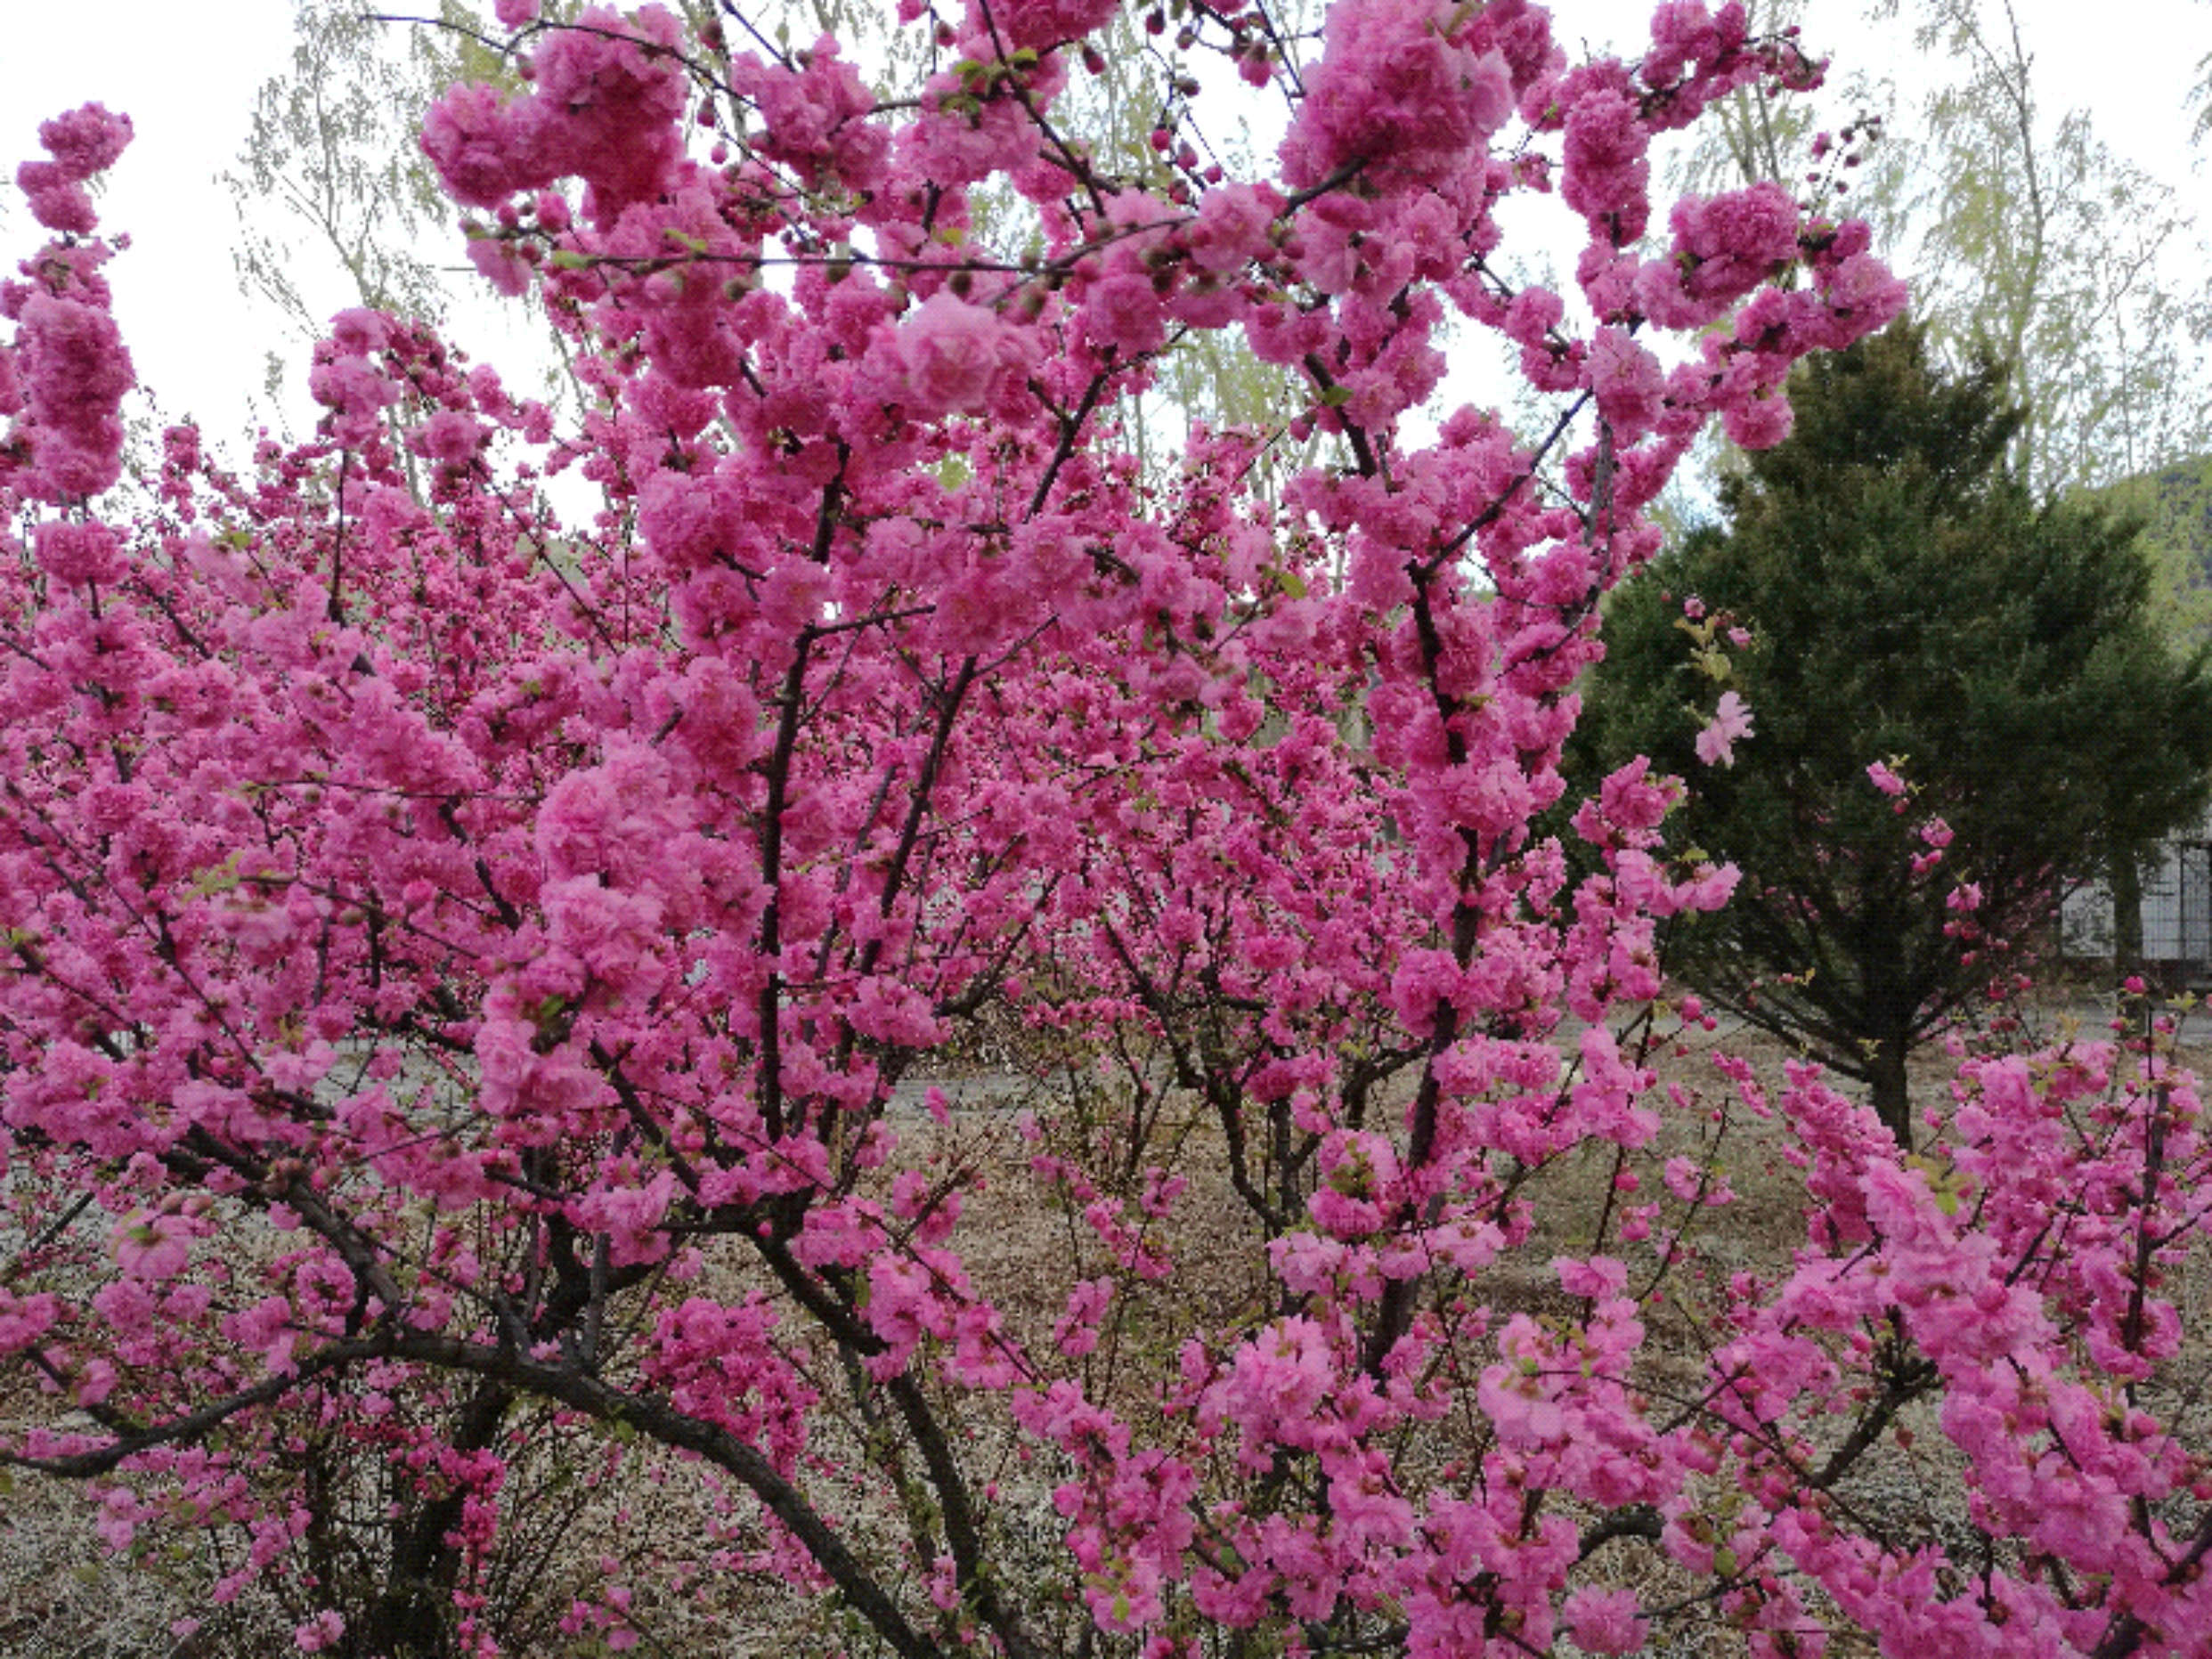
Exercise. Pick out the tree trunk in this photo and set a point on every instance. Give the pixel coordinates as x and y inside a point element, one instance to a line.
<point>412,1616</point>
<point>1891,1095</point>
<point>2127,878</point>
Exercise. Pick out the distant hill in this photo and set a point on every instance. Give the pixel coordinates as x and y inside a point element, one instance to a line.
<point>2176,501</point>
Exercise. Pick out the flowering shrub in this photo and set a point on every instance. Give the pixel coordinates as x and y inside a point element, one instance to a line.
<point>453,955</point>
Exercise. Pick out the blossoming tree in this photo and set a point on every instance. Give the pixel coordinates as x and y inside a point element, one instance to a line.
<point>463,971</point>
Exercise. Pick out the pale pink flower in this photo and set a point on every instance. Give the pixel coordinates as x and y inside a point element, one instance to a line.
<point>1716,744</point>
<point>1883,778</point>
<point>953,353</point>
<point>1233,226</point>
<point>500,266</point>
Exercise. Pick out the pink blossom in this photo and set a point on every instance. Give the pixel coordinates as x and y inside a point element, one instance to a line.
<point>1627,382</point>
<point>1760,420</point>
<point>1861,290</point>
<point>1606,171</point>
<point>1732,719</point>
<point>954,354</point>
<point>1604,1620</point>
<point>1076,1331</point>
<point>462,941</point>
<point>631,1216</point>
<point>356,391</point>
<point>1598,1278</point>
<point>500,266</point>
<point>1392,88</point>
<point>87,139</point>
<point>1686,1179</point>
<point>1231,227</point>
<point>1727,245</point>
<point>359,332</point>
<point>118,1519</point>
<point>77,371</point>
<point>1036,24</point>
<point>62,205</point>
<point>817,117</point>
<point>1887,781</point>
<point>24,1319</point>
<point>78,553</point>
<point>1522,1405</point>
<point>483,148</point>
<point>152,1246</point>
<point>127,1305</point>
<point>1122,313</point>
<point>448,437</point>
<point>610,93</point>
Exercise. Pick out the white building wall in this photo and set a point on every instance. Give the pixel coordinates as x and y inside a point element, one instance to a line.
<point>2176,905</point>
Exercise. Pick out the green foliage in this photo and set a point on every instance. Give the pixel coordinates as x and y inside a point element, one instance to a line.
<point>1907,601</point>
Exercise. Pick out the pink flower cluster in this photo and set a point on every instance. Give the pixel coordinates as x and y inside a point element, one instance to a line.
<point>608,94</point>
<point>1396,90</point>
<point>81,145</point>
<point>1035,24</point>
<point>64,376</point>
<point>1731,720</point>
<point>956,356</point>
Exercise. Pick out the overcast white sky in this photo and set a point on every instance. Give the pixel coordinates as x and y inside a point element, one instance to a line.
<point>187,73</point>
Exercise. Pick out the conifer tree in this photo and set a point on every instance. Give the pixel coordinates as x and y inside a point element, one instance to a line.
<point>1903,600</point>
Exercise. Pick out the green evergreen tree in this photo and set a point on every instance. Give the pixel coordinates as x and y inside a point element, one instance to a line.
<point>1908,600</point>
